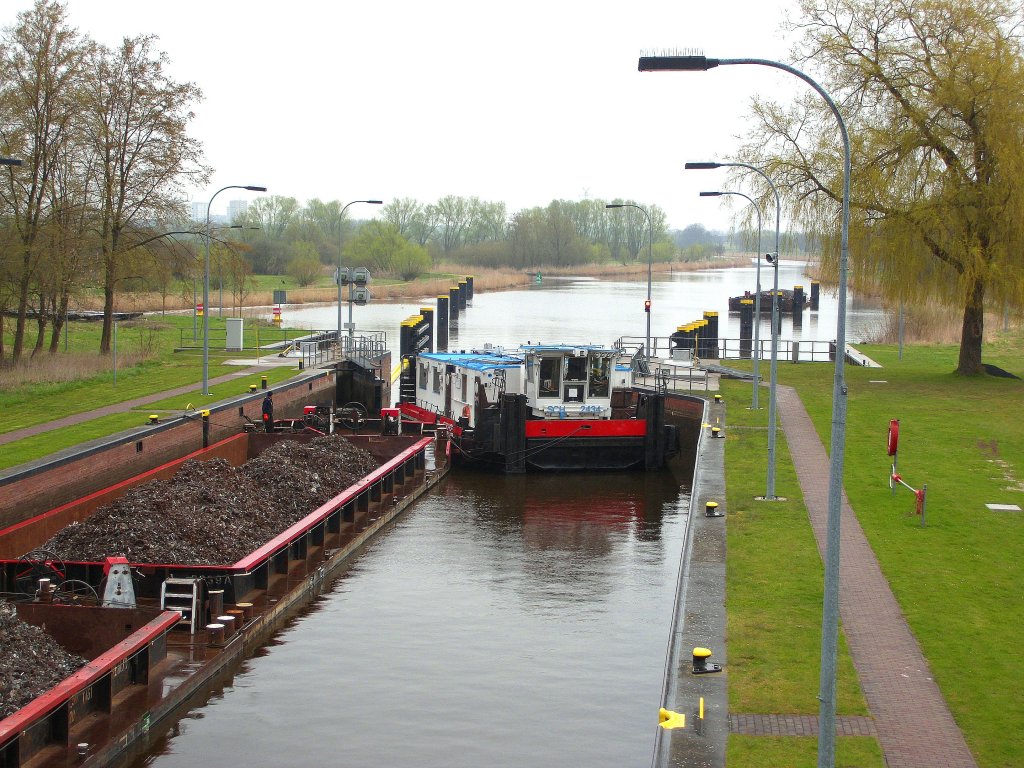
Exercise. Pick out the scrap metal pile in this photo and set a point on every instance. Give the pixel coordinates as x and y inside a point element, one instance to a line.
<point>211,513</point>
<point>31,662</point>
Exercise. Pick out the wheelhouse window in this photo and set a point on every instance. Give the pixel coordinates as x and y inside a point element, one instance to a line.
<point>550,376</point>
<point>600,374</point>
<point>576,369</point>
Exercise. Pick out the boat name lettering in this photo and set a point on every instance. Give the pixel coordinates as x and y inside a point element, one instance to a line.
<point>556,410</point>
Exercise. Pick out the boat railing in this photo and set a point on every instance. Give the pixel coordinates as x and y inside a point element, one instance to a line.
<point>790,350</point>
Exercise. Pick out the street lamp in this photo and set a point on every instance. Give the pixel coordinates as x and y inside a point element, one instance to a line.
<point>341,238</point>
<point>757,299</point>
<point>650,261</point>
<point>773,371</point>
<point>206,284</point>
<point>830,613</point>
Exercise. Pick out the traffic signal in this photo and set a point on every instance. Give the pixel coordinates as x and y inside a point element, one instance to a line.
<point>647,305</point>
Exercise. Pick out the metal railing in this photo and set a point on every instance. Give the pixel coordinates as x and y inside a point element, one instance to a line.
<point>791,350</point>
<point>673,378</point>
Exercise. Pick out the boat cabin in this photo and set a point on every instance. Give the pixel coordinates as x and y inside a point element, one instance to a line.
<point>560,381</point>
<point>573,381</point>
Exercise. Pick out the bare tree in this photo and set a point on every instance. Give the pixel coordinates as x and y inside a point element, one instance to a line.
<point>138,121</point>
<point>41,66</point>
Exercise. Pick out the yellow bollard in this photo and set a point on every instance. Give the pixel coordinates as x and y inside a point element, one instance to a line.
<point>669,719</point>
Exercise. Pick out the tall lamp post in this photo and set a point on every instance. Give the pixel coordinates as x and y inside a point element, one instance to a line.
<point>757,300</point>
<point>341,232</point>
<point>830,613</point>
<point>650,261</point>
<point>206,283</point>
<point>769,493</point>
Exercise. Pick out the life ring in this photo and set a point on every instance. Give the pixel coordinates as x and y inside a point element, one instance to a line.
<point>465,411</point>
<point>894,436</point>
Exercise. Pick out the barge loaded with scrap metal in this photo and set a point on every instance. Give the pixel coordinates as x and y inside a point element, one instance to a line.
<point>120,609</point>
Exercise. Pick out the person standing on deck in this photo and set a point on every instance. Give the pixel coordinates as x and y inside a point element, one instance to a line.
<point>268,411</point>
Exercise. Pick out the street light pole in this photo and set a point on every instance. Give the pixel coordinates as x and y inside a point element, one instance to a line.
<point>774,367</point>
<point>206,284</point>
<point>830,614</point>
<point>650,262</point>
<point>341,239</point>
<point>757,300</point>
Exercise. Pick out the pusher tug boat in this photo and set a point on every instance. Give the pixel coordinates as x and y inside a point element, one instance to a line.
<point>552,407</point>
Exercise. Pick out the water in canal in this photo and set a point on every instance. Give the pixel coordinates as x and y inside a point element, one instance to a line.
<point>501,621</point>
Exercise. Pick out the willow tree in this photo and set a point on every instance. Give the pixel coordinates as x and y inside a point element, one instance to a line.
<point>933,95</point>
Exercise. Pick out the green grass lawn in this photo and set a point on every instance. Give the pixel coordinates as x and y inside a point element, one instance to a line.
<point>163,369</point>
<point>761,751</point>
<point>38,446</point>
<point>957,578</point>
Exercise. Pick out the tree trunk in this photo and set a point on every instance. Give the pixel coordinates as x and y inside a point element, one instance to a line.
<point>60,316</point>
<point>108,312</point>
<point>972,331</point>
<point>41,320</point>
<point>19,326</point>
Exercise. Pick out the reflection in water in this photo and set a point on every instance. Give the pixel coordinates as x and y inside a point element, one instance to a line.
<point>504,621</point>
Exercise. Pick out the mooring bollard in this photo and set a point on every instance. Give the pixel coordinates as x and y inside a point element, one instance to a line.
<point>701,665</point>
<point>711,510</point>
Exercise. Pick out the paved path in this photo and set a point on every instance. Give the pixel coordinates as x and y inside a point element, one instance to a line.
<point>122,407</point>
<point>914,725</point>
<point>799,725</point>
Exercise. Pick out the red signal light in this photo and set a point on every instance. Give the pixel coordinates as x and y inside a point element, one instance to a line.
<point>647,305</point>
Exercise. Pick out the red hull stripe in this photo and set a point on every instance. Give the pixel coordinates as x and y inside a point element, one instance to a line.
<point>586,428</point>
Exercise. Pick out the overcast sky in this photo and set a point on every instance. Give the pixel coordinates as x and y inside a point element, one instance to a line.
<point>521,102</point>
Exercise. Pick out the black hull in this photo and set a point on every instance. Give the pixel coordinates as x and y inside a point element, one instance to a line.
<point>585,454</point>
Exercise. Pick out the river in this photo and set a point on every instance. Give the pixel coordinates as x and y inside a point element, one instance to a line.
<point>589,310</point>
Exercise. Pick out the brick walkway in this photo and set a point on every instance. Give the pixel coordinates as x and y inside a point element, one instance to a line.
<point>798,725</point>
<point>914,725</point>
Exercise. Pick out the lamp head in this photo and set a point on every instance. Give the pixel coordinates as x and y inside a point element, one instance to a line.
<point>676,63</point>
<point>374,202</point>
<point>770,258</point>
<point>615,205</point>
<point>710,194</point>
<point>252,188</point>
<point>701,166</point>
